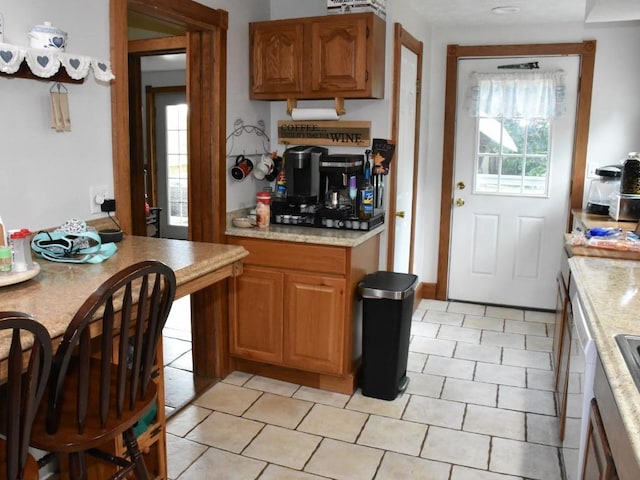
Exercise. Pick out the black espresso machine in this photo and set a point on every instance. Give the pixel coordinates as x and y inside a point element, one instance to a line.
<point>332,199</point>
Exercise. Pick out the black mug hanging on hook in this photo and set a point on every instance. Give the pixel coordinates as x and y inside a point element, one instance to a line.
<point>242,168</point>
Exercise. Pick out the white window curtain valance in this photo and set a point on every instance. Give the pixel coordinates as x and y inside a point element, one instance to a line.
<point>516,94</point>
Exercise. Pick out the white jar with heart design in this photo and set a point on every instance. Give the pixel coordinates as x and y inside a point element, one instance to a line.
<point>47,36</point>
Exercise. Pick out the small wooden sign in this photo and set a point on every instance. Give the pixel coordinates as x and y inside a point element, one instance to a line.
<point>323,132</point>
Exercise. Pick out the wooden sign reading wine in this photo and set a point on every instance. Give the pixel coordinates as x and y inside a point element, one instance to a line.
<point>327,133</point>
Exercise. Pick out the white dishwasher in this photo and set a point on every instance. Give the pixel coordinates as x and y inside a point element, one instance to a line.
<point>582,363</point>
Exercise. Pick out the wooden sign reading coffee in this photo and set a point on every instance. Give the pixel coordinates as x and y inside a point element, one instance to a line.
<point>336,133</point>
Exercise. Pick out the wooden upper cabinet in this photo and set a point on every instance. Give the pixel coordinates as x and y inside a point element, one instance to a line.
<point>339,55</point>
<point>318,57</point>
<point>276,58</point>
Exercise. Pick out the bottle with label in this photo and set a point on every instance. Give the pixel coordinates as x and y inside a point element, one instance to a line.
<point>263,209</point>
<point>366,195</point>
<point>5,259</point>
<point>630,181</point>
<point>281,183</point>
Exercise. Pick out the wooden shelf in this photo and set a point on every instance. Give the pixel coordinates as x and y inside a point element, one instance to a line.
<point>25,72</point>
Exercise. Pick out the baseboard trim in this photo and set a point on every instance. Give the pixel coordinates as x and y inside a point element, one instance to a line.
<point>426,291</point>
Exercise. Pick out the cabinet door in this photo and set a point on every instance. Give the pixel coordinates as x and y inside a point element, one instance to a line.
<point>339,55</point>
<point>562,303</point>
<point>256,315</point>
<point>562,385</point>
<point>277,57</point>
<point>599,461</point>
<point>314,323</point>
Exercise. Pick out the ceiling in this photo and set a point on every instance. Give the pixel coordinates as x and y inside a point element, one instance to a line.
<point>479,12</point>
<point>450,12</point>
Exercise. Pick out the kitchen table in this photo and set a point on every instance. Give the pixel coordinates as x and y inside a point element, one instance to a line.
<point>55,294</point>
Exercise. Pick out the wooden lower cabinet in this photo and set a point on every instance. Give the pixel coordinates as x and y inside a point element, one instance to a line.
<point>619,442</point>
<point>562,370</point>
<point>259,293</point>
<point>562,340</point>
<point>294,313</point>
<point>314,323</point>
<point>598,460</point>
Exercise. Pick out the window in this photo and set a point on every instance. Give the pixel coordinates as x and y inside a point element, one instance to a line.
<point>177,175</point>
<point>514,112</point>
<point>512,157</point>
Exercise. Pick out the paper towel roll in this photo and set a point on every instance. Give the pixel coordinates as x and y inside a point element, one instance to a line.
<point>314,114</point>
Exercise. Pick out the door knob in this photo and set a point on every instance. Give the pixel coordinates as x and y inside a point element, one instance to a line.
<point>460,185</point>
<point>400,214</point>
<point>459,202</point>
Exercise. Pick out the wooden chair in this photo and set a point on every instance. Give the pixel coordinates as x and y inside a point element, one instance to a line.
<point>100,383</point>
<point>28,344</point>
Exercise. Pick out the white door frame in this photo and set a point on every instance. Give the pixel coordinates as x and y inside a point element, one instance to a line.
<point>586,50</point>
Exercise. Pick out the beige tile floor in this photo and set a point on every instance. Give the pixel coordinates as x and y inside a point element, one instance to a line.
<point>479,406</point>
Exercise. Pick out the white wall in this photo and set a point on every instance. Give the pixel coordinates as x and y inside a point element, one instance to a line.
<point>615,111</point>
<point>242,194</point>
<point>46,175</point>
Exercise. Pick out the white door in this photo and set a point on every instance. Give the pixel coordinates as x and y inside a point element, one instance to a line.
<point>509,214</point>
<point>172,158</point>
<point>405,149</point>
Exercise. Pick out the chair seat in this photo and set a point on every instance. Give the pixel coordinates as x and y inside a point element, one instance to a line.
<point>67,439</point>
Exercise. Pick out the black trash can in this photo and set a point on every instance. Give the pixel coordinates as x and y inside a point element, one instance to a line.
<point>386,318</point>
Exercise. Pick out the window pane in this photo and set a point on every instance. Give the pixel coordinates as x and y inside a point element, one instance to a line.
<point>538,137</point>
<point>502,167</point>
<point>489,164</point>
<point>490,135</point>
<point>512,166</point>
<point>177,171</point>
<point>511,184</point>
<point>515,134</point>
<point>536,167</point>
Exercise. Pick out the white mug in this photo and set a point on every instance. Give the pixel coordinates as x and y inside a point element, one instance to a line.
<point>264,167</point>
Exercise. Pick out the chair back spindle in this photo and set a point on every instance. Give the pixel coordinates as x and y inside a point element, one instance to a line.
<point>20,396</point>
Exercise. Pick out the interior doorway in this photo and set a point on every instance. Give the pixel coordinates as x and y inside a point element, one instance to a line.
<point>407,86</point>
<point>204,41</point>
<point>586,52</point>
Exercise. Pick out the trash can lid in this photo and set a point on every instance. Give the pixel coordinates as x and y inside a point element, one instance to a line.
<point>389,285</point>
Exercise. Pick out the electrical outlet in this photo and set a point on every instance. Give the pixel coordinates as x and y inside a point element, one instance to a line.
<point>97,195</point>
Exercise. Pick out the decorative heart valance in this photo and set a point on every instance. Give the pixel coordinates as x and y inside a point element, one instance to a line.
<point>45,63</point>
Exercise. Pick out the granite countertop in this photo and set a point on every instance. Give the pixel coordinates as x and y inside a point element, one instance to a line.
<point>59,289</point>
<point>610,293</point>
<point>321,236</point>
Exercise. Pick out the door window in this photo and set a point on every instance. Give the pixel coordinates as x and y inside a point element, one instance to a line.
<point>177,173</point>
<point>512,156</point>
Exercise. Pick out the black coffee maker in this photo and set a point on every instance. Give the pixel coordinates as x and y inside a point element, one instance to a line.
<point>301,165</point>
<point>340,177</point>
